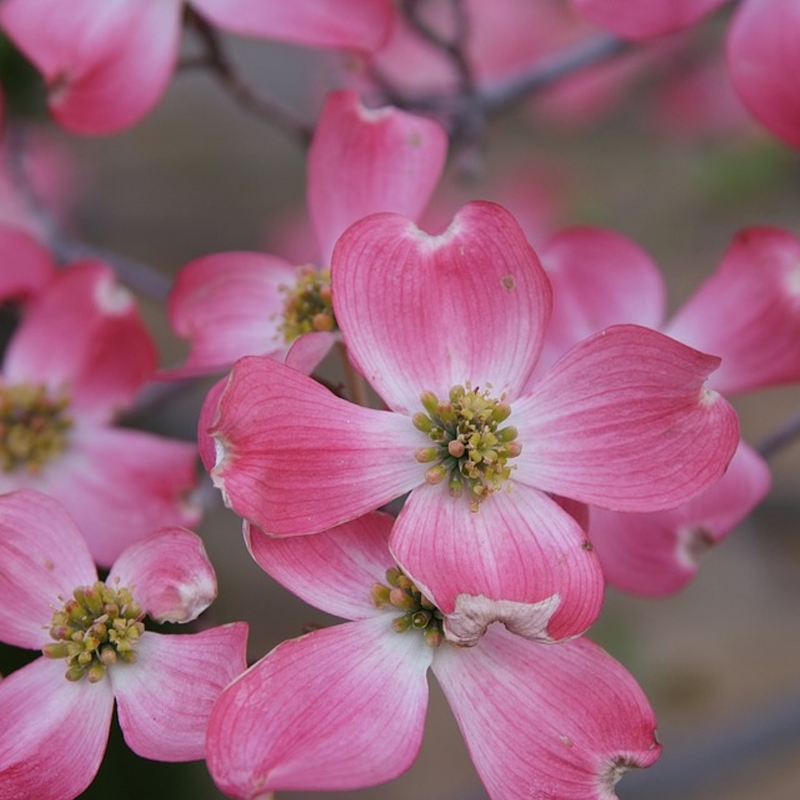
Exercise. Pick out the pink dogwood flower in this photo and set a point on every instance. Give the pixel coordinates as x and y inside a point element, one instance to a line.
<point>107,62</point>
<point>747,312</point>
<point>56,711</point>
<point>28,267</point>
<point>761,57</point>
<point>80,355</point>
<point>344,707</point>
<point>760,48</point>
<point>448,329</point>
<point>361,161</point>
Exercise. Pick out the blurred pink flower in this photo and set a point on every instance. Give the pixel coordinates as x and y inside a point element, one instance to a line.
<point>762,51</point>
<point>56,711</point>
<point>107,62</point>
<point>80,354</point>
<point>53,185</point>
<point>623,421</point>
<point>344,707</point>
<point>28,267</point>
<point>361,161</point>
<point>747,312</point>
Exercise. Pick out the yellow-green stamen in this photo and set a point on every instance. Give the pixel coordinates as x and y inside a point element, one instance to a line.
<point>96,628</point>
<point>470,450</point>
<point>308,304</point>
<point>33,427</point>
<point>418,613</point>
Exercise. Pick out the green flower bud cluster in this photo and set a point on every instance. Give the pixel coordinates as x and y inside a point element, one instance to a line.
<point>419,613</point>
<point>308,305</point>
<point>98,627</point>
<point>33,427</point>
<point>470,448</point>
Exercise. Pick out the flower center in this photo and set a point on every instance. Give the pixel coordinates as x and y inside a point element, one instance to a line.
<point>470,448</point>
<point>308,304</point>
<point>94,630</point>
<point>33,427</point>
<point>418,613</point>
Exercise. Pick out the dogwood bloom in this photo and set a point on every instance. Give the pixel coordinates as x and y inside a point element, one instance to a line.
<point>56,711</point>
<point>760,47</point>
<point>747,312</point>
<point>360,161</point>
<point>107,62</point>
<point>27,269</point>
<point>344,707</point>
<point>79,355</point>
<point>448,330</point>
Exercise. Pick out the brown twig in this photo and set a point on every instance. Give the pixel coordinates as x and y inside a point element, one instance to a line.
<point>454,48</point>
<point>216,59</point>
<point>465,113</point>
<point>135,274</point>
<point>587,53</point>
<point>465,121</point>
<point>781,438</point>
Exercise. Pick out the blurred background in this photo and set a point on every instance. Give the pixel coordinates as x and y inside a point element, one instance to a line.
<point>720,662</point>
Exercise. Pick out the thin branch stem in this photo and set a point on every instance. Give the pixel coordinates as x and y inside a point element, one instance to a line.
<point>465,120</point>
<point>135,274</point>
<point>454,48</point>
<point>586,53</point>
<point>216,59</point>
<point>781,438</point>
<point>466,112</point>
<point>141,277</point>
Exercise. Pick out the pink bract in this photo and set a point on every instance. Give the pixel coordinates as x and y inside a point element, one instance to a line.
<point>361,161</point>
<point>623,421</point>
<point>658,554</point>
<point>645,19</point>
<point>344,707</point>
<point>83,342</point>
<point>747,312</point>
<point>763,60</point>
<point>107,62</point>
<point>55,730</point>
<point>761,52</point>
<point>27,266</point>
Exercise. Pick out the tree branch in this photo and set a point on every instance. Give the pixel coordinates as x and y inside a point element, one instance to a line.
<point>566,62</point>
<point>781,438</point>
<point>465,113</point>
<point>455,49</point>
<point>135,274</point>
<point>216,59</point>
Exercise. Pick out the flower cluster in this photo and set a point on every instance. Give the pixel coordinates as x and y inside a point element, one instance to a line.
<point>95,649</point>
<point>510,429</point>
<point>759,47</point>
